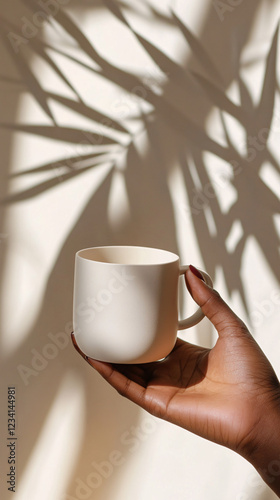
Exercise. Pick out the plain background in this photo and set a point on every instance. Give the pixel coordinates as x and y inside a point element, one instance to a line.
<point>186,115</point>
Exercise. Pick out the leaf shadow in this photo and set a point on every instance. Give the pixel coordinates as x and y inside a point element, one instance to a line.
<point>151,219</point>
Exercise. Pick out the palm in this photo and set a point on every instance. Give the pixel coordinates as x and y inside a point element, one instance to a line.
<point>209,392</point>
<point>216,393</point>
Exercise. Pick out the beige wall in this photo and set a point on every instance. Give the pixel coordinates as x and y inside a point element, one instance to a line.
<point>166,181</point>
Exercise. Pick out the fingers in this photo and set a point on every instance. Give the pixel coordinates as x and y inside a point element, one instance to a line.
<point>126,387</point>
<point>213,306</point>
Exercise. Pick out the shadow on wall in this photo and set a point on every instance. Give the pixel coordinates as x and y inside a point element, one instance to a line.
<point>172,116</point>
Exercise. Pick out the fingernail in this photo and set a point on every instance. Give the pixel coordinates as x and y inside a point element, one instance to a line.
<point>196,272</point>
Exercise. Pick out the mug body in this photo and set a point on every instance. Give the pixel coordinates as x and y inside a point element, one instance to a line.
<point>126,303</point>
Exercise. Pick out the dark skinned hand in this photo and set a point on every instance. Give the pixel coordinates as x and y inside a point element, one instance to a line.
<point>228,394</point>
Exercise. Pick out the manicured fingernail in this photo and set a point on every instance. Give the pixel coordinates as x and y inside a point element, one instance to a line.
<point>196,272</point>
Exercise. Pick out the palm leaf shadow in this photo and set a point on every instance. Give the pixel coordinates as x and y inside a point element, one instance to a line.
<point>152,222</point>
<point>70,163</point>
<point>219,99</point>
<point>23,68</point>
<point>201,55</point>
<point>264,113</point>
<point>128,82</point>
<point>193,134</point>
<point>72,135</point>
<point>61,277</point>
<point>92,227</point>
<point>75,135</point>
<point>89,112</point>
<point>218,254</point>
<point>46,185</point>
<point>165,63</point>
<point>255,212</point>
<point>143,227</point>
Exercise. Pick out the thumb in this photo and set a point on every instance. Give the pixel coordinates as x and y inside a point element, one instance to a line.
<point>213,306</point>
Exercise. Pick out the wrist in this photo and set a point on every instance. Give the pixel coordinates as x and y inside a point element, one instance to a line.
<point>263,448</point>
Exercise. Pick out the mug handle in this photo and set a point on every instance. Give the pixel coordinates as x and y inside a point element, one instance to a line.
<point>198,315</point>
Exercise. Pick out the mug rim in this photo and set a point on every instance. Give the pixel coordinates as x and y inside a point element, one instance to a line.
<point>157,251</point>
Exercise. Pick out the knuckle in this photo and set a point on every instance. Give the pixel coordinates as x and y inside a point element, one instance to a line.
<point>211,300</point>
<point>124,389</point>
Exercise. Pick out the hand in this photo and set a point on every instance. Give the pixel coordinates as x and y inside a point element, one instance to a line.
<point>219,394</point>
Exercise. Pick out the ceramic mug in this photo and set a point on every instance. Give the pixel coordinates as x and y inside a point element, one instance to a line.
<point>126,303</point>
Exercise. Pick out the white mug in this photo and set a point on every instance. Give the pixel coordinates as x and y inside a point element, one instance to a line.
<point>126,303</point>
